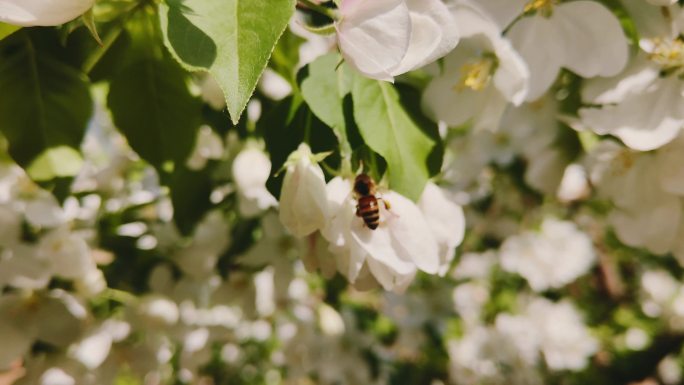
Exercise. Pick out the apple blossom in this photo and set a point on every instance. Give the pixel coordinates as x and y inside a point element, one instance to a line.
<point>209,146</point>
<point>639,106</point>
<point>551,259</point>
<point>251,168</point>
<point>303,203</point>
<point>385,38</point>
<point>554,329</point>
<point>582,36</point>
<point>645,215</point>
<point>29,13</point>
<point>480,77</point>
<point>402,243</point>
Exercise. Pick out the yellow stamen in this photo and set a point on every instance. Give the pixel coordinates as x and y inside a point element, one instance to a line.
<point>669,54</point>
<point>476,75</point>
<point>543,6</point>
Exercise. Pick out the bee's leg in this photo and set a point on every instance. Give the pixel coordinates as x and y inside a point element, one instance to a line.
<point>388,207</point>
<point>358,213</point>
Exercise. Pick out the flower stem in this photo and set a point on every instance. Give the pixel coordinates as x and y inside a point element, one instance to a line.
<point>92,60</point>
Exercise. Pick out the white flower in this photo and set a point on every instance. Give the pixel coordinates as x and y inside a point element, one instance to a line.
<point>402,243</point>
<point>158,311</point>
<point>639,107</point>
<point>645,215</point>
<point>251,168</point>
<point>330,321</point>
<point>670,371</point>
<point>67,253</point>
<point>469,300</point>
<point>211,238</point>
<point>23,267</point>
<point>43,210</point>
<point>41,12</point>
<point>563,337</point>
<point>273,85</point>
<point>303,201</point>
<point>480,76</point>
<point>10,223</point>
<point>385,38</point>
<point>94,347</point>
<point>488,356</point>
<point>503,11</point>
<point>552,258</point>
<point>446,221</point>
<point>582,36</point>
<point>574,185</point>
<point>209,145</point>
<point>55,318</point>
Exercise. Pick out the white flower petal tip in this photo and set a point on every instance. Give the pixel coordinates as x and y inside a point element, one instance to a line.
<point>29,13</point>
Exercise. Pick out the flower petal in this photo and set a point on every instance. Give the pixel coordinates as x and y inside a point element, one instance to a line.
<point>446,221</point>
<point>512,77</point>
<point>374,35</point>
<point>644,121</point>
<point>535,39</point>
<point>42,12</point>
<point>591,38</point>
<point>411,235</point>
<point>434,33</point>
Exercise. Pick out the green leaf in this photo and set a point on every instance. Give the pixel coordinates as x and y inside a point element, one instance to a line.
<point>388,130</point>
<point>323,88</point>
<point>190,192</point>
<point>285,56</point>
<point>231,39</point>
<point>7,29</point>
<point>45,110</point>
<point>152,106</point>
<point>58,162</point>
<point>283,131</point>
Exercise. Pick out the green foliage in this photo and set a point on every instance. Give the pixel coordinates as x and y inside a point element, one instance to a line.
<point>324,87</point>
<point>7,29</point>
<point>153,108</point>
<point>232,40</point>
<point>285,56</point>
<point>389,130</point>
<point>190,191</point>
<point>46,116</point>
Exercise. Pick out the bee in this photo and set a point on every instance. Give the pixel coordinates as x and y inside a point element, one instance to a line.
<point>367,207</point>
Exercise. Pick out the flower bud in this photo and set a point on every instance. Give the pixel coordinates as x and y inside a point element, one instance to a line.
<point>303,199</point>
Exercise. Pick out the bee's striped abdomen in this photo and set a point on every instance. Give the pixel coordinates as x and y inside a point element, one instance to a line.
<point>369,210</point>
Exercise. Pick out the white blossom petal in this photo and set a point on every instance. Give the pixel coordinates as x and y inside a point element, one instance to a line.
<point>592,39</point>
<point>644,121</point>
<point>42,12</point>
<point>374,35</point>
<point>536,40</point>
<point>446,221</point>
<point>303,200</point>
<point>434,33</point>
